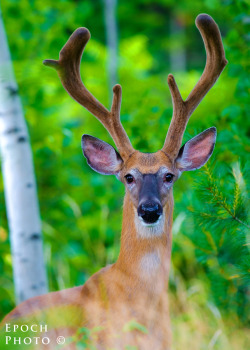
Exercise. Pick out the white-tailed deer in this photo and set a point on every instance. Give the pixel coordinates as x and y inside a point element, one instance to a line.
<point>135,286</point>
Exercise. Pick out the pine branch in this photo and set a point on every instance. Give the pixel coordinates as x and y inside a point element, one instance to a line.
<point>220,200</point>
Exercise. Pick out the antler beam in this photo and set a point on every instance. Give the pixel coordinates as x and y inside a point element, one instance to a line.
<point>68,69</point>
<point>215,64</point>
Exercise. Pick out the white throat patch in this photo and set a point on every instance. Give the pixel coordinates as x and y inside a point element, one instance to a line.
<point>150,262</point>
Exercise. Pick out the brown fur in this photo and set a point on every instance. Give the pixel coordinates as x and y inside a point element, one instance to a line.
<point>119,293</point>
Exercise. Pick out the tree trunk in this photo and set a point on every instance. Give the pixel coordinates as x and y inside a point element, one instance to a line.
<point>19,185</point>
<point>177,53</point>
<point>111,35</point>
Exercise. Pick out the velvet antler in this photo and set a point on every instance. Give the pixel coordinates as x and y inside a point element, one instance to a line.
<point>215,64</point>
<point>68,68</point>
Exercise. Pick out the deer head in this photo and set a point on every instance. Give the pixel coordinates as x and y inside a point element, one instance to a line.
<point>148,177</point>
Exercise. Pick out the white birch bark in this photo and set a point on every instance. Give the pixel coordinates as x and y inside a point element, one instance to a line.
<point>19,185</point>
<point>111,35</point>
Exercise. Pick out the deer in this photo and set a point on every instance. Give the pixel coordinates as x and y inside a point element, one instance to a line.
<point>135,286</point>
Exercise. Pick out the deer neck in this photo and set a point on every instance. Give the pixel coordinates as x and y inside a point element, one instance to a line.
<point>146,251</point>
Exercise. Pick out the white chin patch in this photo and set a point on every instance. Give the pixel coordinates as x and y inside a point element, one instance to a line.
<point>145,230</point>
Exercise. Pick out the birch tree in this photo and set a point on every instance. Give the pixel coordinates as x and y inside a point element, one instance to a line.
<point>177,52</point>
<point>19,185</point>
<point>111,37</point>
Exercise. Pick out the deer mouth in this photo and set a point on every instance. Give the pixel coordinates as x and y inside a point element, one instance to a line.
<point>150,223</point>
<point>149,230</point>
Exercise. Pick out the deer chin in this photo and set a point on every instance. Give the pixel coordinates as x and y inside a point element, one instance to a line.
<point>149,230</point>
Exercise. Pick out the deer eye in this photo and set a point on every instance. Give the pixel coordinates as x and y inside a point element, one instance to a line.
<point>129,178</point>
<point>169,177</point>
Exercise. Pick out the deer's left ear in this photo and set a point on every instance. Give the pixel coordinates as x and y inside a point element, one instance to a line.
<point>196,152</point>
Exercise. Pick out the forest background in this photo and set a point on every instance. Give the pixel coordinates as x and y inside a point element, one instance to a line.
<point>81,210</point>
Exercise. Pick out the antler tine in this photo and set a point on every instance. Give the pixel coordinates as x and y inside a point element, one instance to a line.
<point>215,64</point>
<point>68,69</point>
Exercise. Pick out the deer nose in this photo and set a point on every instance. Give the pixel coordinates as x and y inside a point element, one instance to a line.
<point>150,212</point>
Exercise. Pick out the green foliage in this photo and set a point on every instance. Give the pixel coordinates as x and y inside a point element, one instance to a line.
<point>221,239</point>
<point>134,326</point>
<point>81,210</point>
<point>85,338</point>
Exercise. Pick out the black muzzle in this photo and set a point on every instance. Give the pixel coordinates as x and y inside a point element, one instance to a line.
<point>149,212</point>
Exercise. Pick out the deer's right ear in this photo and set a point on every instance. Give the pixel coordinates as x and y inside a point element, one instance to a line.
<point>101,156</point>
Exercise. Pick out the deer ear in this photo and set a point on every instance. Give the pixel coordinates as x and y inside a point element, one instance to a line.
<point>196,152</point>
<point>101,156</point>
